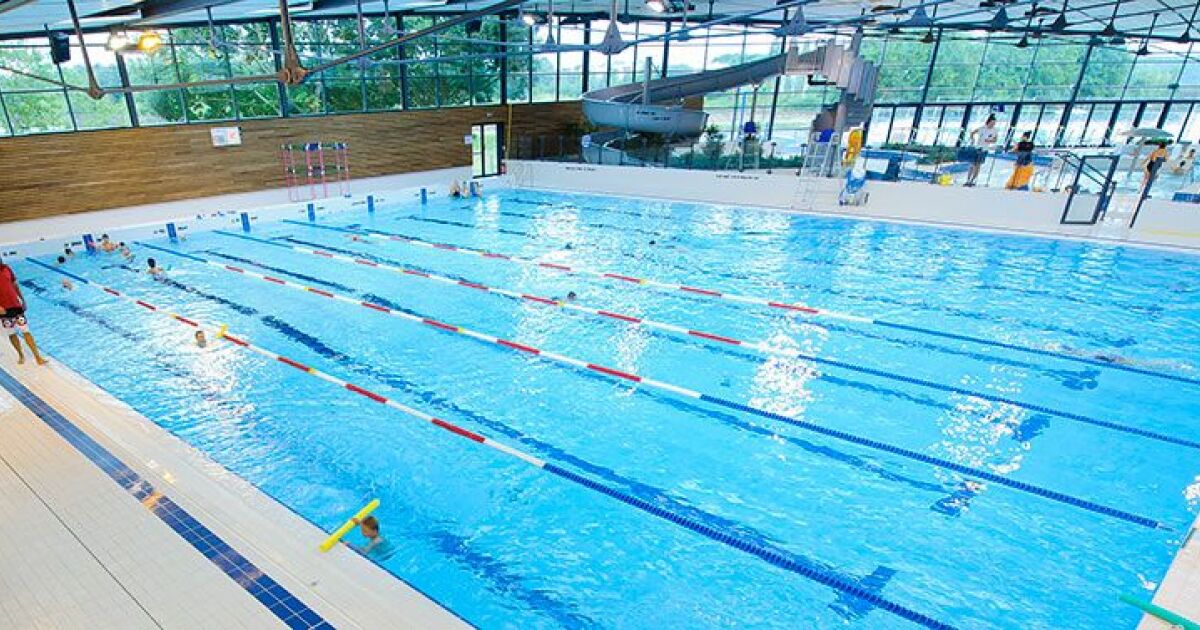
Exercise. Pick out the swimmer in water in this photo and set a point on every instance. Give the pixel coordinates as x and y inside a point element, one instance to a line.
<point>126,253</point>
<point>571,296</point>
<point>201,340</point>
<point>106,244</point>
<point>1116,359</point>
<point>369,528</point>
<point>68,254</point>
<point>152,267</point>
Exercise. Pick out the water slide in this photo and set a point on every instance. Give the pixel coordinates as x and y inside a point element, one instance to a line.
<point>652,106</point>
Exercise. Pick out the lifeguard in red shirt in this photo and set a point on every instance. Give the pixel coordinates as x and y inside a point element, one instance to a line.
<point>12,315</point>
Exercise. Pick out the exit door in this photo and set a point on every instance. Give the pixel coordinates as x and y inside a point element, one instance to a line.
<point>485,150</point>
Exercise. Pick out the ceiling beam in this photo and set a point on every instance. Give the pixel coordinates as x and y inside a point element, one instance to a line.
<point>153,10</point>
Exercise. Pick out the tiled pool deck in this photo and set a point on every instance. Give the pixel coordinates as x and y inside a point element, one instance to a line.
<point>100,510</point>
<point>110,522</point>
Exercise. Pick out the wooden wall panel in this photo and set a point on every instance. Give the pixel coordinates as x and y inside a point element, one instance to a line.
<point>77,172</point>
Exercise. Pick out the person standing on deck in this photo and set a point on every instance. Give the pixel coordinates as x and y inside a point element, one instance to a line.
<point>12,315</point>
<point>983,140</point>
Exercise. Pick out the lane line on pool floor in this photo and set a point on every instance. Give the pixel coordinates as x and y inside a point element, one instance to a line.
<point>809,571</point>
<point>710,337</point>
<point>625,376</point>
<point>802,309</point>
<point>645,491</point>
<point>1091,335</point>
<point>827,262</point>
<point>252,578</point>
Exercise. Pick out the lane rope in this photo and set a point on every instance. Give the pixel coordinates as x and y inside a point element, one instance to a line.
<point>1007,318</point>
<point>791,564</point>
<point>714,338</point>
<point>802,309</point>
<point>622,375</point>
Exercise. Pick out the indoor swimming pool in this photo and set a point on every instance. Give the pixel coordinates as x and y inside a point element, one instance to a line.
<point>700,415</point>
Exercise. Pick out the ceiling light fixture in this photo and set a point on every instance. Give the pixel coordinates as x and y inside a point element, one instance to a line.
<point>1144,49</point>
<point>149,41</point>
<point>795,27</point>
<point>657,6</point>
<point>919,17</point>
<point>999,21</point>
<point>117,41</point>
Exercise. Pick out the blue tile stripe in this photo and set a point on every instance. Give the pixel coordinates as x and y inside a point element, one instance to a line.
<point>281,602</point>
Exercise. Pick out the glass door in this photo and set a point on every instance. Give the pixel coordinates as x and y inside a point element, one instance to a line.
<point>485,150</point>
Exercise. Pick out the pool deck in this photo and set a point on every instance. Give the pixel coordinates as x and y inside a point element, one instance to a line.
<point>111,522</point>
<point>1180,589</point>
<point>78,550</point>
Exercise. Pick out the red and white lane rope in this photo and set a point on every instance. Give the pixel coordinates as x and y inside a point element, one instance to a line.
<point>810,570</point>
<point>732,297</point>
<point>219,332</point>
<point>760,301</point>
<point>685,392</point>
<point>759,347</point>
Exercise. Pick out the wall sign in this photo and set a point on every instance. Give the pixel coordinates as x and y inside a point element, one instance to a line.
<point>226,136</point>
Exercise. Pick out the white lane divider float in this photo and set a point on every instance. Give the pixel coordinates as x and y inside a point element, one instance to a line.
<point>761,348</point>
<point>685,392</point>
<point>808,569</point>
<point>755,300</point>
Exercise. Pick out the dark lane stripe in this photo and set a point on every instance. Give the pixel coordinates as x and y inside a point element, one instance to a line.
<point>281,602</point>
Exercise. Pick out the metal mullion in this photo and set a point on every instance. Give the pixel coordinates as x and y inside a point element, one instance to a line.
<point>123,74</point>
<point>504,65</point>
<point>182,93</point>
<point>233,101</point>
<point>66,95</point>
<point>405,101</point>
<point>12,131</point>
<point>277,61</point>
<point>587,62</point>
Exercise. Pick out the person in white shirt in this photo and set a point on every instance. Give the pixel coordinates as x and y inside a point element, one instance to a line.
<point>983,139</point>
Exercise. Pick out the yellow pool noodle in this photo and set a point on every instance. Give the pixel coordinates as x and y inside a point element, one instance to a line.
<point>348,525</point>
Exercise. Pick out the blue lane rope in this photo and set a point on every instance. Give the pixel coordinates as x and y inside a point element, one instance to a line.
<point>889,448</point>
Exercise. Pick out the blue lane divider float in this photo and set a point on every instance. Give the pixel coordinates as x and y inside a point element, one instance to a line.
<point>758,301</point>
<point>362,258</point>
<point>621,375</point>
<point>792,564</point>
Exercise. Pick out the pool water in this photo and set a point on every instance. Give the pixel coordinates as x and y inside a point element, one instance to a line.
<point>924,484</point>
